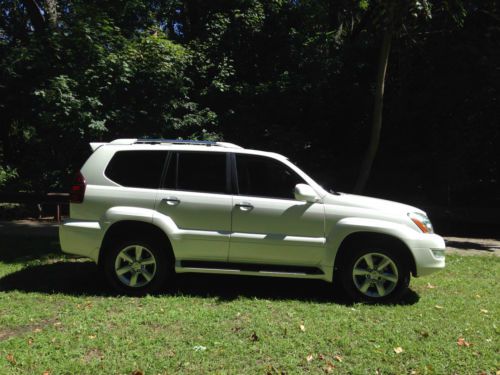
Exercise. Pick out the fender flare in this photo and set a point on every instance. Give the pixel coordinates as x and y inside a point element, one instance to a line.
<point>118,214</point>
<point>351,225</point>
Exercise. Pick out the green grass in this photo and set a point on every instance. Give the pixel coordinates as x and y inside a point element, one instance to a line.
<point>56,316</point>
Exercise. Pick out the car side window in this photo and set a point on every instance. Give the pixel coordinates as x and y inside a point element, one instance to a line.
<point>140,169</point>
<point>265,177</point>
<point>197,171</point>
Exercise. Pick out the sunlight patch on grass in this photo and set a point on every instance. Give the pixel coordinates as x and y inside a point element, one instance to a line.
<point>55,315</point>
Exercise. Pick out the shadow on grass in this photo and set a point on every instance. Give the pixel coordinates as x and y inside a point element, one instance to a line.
<point>17,249</point>
<point>84,279</point>
<point>472,245</point>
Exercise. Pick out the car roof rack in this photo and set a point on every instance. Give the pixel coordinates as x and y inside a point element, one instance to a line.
<point>175,141</point>
<point>158,141</point>
<point>184,142</point>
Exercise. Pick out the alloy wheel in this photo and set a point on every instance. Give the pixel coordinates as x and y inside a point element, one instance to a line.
<point>375,275</point>
<point>135,266</point>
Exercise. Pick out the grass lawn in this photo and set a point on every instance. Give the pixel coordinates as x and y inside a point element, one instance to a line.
<point>56,316</point>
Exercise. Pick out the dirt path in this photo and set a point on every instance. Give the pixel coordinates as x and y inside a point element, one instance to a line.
<point>472,246</point>
<point>29,228</point>
<point>454,245</point>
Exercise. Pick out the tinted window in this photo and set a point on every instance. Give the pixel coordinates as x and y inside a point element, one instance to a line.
<point>170,181</point>
<point>265,177</point>
<point>197,171</point>
<point>140,169</point>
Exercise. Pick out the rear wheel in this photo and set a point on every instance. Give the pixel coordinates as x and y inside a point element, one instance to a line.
<point>373,274</point>
<point>137,267</point>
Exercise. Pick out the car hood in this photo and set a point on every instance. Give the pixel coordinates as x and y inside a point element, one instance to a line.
<point>360,201</point>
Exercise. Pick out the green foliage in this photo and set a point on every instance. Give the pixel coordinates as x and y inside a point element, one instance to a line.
<point>292,76</point>
<point>92,80</point>
<point>6,174</point>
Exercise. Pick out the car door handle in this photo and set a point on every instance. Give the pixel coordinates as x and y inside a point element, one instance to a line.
<point>244,206</point>
<point>171,201</point>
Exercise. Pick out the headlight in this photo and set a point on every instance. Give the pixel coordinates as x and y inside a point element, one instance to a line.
<point>422,221</point>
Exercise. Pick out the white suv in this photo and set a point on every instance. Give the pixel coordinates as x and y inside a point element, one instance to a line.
<point>147,209</point>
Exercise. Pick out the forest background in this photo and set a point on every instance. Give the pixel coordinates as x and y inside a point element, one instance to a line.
<point>296,77</point>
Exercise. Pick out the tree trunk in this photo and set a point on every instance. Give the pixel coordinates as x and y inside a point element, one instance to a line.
<point>377,112</point>
<point>51,11</point>
<point>35,14</point>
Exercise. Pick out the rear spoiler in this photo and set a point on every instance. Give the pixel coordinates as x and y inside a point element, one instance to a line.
<point>95,145</point>
<point>123,141</point>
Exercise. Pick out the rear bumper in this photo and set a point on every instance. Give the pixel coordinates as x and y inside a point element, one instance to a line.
<point>81,238</point>
<point>428,252</point>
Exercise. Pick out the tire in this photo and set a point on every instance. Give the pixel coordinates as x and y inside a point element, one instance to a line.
<point>136,267</point>
<point>374,274</point>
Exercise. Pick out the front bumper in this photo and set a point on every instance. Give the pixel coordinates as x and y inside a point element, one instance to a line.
<point>428,252</point>
<point>81,238</point>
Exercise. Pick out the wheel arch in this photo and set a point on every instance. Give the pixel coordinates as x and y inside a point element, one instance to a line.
<point>128,229</point>
<point>365,237</point>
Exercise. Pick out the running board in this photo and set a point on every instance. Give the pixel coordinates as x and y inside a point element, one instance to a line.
<point>270,269</point>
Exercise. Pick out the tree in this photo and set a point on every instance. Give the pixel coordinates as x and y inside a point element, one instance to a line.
<point>390,20</point>
<point>78,76</point>
<point>296,77</point>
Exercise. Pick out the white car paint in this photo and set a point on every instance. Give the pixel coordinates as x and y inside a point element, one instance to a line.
<point>215,227</point>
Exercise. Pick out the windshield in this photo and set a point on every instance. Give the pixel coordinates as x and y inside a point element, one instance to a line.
<point>318,174</point>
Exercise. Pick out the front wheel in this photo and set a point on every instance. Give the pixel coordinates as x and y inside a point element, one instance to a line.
<point>375,275</point>
<point>136,267</point>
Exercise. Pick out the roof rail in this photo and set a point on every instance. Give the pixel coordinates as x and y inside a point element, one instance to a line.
<point>123,141</point>
<point>228,145</point>
<point>185,142</point>
<point>175,141</point>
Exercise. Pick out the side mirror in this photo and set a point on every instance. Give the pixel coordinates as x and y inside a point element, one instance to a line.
<point>305,193</point>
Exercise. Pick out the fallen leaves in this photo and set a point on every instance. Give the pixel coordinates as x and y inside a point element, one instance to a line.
<point>329,367</point>
<point>484,311</point>
<point>439,307</point>
<point>271,370</point>
<point>199,348</point>
<point>137,372</point>
<point>430,286</point>
<point>302,327</point>
<point>461,342</point>
<point>85,306</point>
<point>254,337</point>
<point>10,358</point>
<point>398,350</point>
<point>236,329</point>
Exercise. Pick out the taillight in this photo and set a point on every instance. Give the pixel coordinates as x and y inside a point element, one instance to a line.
<point>78,189</point>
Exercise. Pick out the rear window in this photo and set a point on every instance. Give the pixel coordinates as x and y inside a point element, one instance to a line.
<point>140,169</point>
<point>197,171</point>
